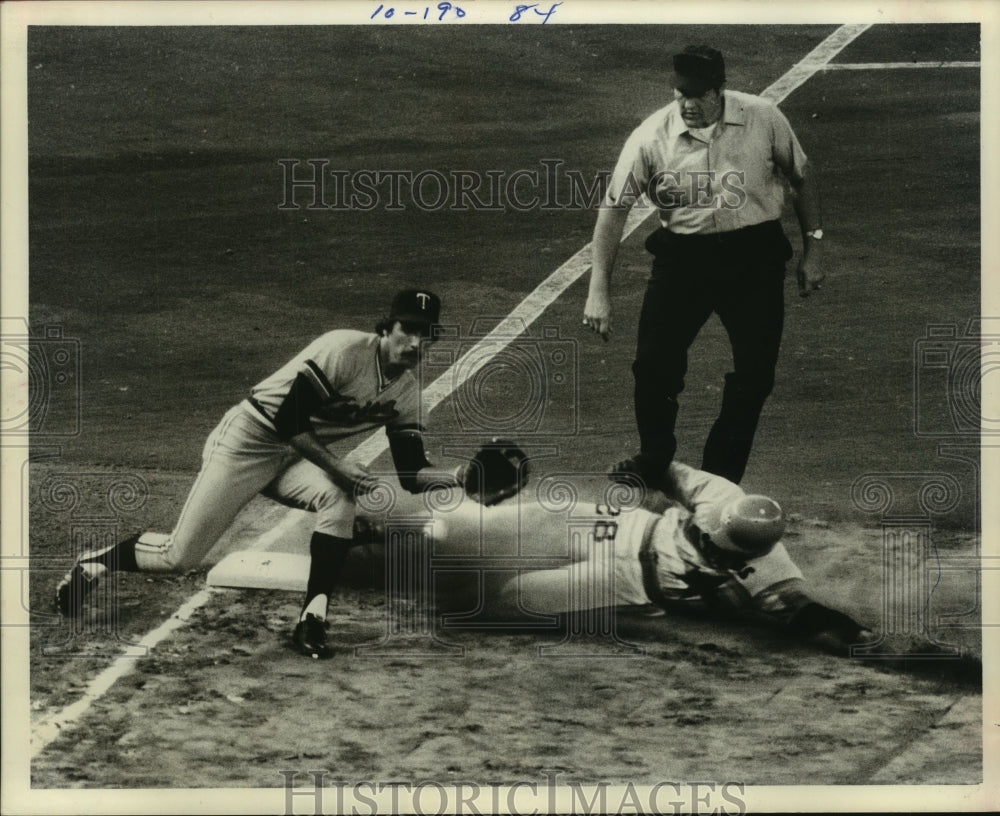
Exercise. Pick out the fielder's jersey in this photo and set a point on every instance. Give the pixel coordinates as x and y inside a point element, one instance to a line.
<point>343,367</point>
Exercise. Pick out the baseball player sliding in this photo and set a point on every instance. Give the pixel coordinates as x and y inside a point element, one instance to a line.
<point>278,442</point>
<point>714,543</point>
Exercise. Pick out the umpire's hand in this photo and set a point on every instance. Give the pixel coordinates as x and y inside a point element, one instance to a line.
<point>597,314</point>
<point>810,273</point>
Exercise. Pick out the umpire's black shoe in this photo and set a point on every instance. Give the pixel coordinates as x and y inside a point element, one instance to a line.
<point>75,587</point>
<point>309,638</point>
<point>640,469</point>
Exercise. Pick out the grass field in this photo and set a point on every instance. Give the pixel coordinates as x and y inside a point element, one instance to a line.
<point>159,246</point>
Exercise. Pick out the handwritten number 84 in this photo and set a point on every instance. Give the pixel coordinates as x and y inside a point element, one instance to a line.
<point>519,10</point>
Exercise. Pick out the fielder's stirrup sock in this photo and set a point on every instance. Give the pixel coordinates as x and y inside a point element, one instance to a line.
<point>315,607</point>
<point>76,585</point>
<point>328,554</point>
<point>120,556</point>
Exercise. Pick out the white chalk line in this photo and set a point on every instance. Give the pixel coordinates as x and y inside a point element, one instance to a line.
<point>816,60</point>
<point>523,315</point>
<point>50,727</point>
<point>878,66</point>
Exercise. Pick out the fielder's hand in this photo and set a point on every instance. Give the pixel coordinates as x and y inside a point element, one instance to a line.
<point>597,314</point>
<point>354,479</point>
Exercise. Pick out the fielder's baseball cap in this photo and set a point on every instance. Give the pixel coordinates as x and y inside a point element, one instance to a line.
<point>749,525</point>
<point>416,306</point>
<point>697,69</point>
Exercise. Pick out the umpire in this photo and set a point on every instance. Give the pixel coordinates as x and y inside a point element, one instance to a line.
<point>714,162</point>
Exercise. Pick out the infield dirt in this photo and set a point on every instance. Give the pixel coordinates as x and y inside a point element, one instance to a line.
<point>159,247</point>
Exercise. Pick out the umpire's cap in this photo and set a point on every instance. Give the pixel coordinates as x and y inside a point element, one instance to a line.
<point>416,306</point>
<point>750,525</point>
<point>697,69</point>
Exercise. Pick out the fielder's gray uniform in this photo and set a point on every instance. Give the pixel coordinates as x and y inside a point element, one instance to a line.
<point>248,454</point>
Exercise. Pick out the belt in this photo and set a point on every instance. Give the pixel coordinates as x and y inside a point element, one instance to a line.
<point>648,560</point>
<point>258,414</point>
<point>722,238</point>
<point>260,408</point>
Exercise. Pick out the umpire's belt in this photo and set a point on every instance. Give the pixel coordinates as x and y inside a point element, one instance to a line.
<point>767,239</point>
<point>647,560</point>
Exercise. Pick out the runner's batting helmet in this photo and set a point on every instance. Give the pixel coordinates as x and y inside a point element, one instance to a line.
<point>749,525</point>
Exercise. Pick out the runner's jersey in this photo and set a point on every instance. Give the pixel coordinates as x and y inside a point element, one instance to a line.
<point>681,566</point>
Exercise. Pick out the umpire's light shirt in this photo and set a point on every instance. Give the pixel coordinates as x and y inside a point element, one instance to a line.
<point>716,179</point>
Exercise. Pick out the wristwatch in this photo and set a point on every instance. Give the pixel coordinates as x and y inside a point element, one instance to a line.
<point>816,234</point>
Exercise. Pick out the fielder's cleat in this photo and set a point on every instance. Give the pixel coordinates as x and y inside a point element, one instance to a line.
<point>640,469</point>
<point>89,570</point>
<point>309,638</point>
<point>74,589</point>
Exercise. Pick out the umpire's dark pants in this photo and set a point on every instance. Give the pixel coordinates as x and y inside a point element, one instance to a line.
<point>738,275</point>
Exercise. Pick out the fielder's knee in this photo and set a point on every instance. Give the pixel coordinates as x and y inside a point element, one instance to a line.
<point>336,519</point>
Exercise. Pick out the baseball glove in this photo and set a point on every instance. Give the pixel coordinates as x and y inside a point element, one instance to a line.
<point>498,470</point>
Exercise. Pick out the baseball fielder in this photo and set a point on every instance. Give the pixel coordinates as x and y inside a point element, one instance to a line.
<point>715,543</point>
<point>281,442</point>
